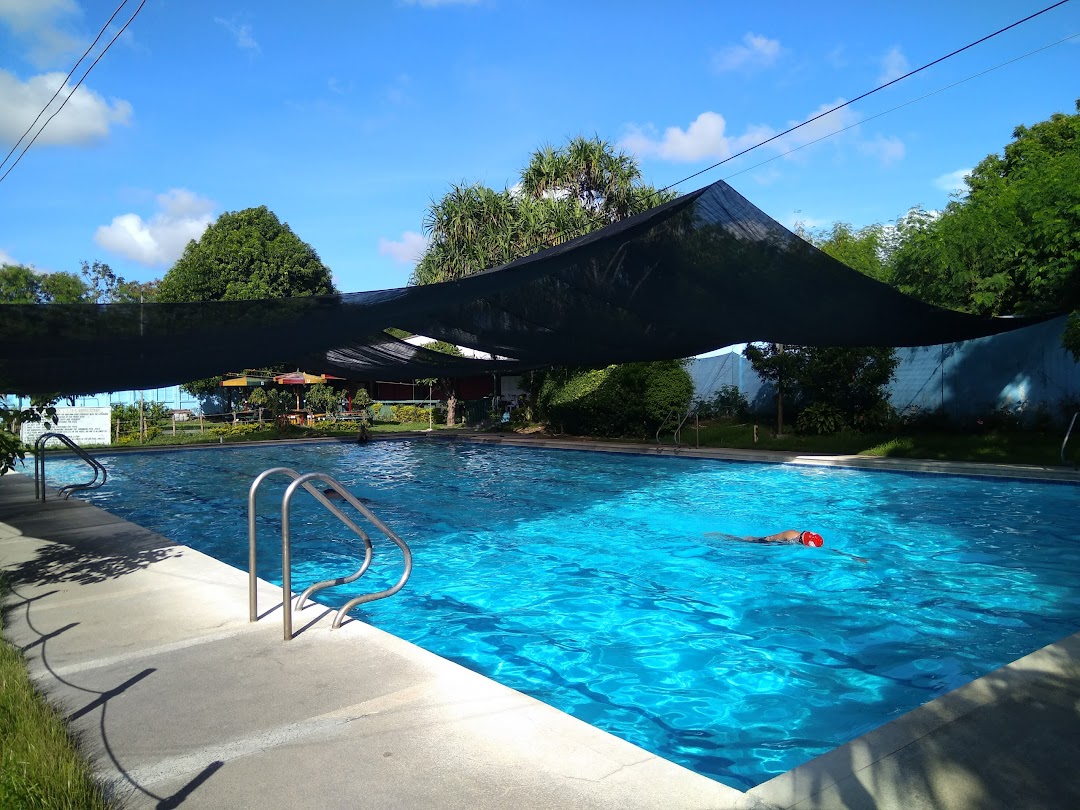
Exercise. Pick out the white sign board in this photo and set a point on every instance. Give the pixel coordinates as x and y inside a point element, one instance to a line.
<point>84,426</point>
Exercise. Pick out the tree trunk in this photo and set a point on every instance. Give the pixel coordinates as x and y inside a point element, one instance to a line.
<point>451,409</point>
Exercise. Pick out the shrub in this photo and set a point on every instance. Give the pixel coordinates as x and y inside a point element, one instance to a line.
<point>236,431</point>
<point>820,418</point>
<point>404,414</point>
<point>727,403</point>
<point>878,417</point>
<point>625,400</point>
<point>321,398</point>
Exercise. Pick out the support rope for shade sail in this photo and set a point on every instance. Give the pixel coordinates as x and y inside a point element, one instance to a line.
<point>703,271</point>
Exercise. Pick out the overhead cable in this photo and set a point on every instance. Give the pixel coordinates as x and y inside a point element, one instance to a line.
<point>865,95</point>
<point>76,87</point>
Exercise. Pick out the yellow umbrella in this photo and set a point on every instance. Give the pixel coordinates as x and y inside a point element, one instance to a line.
<point>245,381</point>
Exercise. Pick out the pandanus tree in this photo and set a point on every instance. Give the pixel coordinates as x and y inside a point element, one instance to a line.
<point>562,193</point>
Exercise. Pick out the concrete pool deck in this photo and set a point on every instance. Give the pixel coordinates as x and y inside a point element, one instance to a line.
<point>145,646</point>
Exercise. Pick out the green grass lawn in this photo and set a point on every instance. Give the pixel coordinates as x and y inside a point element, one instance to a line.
<point>40,769</point>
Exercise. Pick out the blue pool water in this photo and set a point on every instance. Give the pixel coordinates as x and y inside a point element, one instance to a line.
<point>589,581</point>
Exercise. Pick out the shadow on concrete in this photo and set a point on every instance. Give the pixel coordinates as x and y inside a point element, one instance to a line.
<point>100,700</point>
<point>60,562</point>
<point>1007,741</point>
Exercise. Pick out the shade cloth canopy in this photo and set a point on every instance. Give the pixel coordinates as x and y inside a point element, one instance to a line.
<point>698,273</point>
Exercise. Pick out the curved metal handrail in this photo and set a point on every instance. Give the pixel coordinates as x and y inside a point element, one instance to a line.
<point>689,412</point>
<point>253,585</point>
<point>66,490</point>
<point>673,412</point>
<point>286,572</point>
<point>1067,434</point>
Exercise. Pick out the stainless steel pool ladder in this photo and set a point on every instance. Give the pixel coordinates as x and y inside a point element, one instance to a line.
<point>1068,433</point>
<point>673,415</point>
<point>305,482</point>
<point>66,490</point>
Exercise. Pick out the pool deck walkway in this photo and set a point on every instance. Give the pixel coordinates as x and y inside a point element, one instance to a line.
<point>180,701</point>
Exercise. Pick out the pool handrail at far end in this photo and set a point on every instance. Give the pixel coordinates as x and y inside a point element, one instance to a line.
<point>66,490</point>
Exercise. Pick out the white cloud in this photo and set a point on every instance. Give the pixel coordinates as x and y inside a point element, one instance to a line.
<point>241,32</point>
<point>182,216</point>
<point>86,117</point>
<point>887,149</point>
<point>755,52</point>
<point>705,138</point>
<point>41,23</point>
<point>6,258</point>
<point>953,182</point>
<point>893,65</point>
<point>822,127</point>
<point>406,250</point>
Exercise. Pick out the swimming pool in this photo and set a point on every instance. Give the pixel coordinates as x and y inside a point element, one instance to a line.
<point>588,581</point>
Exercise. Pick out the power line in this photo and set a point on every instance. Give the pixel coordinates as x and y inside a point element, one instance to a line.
<point>864,95</point>
<point>63,84</point>
<point>901,106</point>
<point>76,87</point>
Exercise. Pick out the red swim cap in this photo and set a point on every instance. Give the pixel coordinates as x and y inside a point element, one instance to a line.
<point>812,539</point>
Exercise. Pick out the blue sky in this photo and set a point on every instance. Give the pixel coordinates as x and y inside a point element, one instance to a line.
<point>347,118</point>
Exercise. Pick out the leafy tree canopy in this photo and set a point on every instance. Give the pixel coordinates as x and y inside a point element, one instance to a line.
<point>106,287</point>
<point>866,250</point>
<point>1012,244</point>
<point>23,285</point>
<point>852,380</point>
<point>246,254</point>
<point>563,192</point>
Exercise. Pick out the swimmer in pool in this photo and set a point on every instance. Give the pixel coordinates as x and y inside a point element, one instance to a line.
<point>788,537</point>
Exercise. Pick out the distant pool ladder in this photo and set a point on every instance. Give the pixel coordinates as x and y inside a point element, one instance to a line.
<point>66,490</point>
<point>305,482</point>
<point>1068,433</point>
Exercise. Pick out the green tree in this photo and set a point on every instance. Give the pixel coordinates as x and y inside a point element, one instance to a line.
<point>64,288</point>
<point>106,287</point>
<point>866,250</point>
<point>23,285</point>
<point>19,285</point>
<point>245,255</point>
<point>1011,245</point>
<point>563,192</point>
<point>323,399</point>
<point>851,380</point>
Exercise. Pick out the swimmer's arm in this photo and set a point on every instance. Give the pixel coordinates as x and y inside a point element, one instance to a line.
<point>854,557</point>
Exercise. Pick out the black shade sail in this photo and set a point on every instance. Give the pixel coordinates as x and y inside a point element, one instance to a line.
<point>698,273</point>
